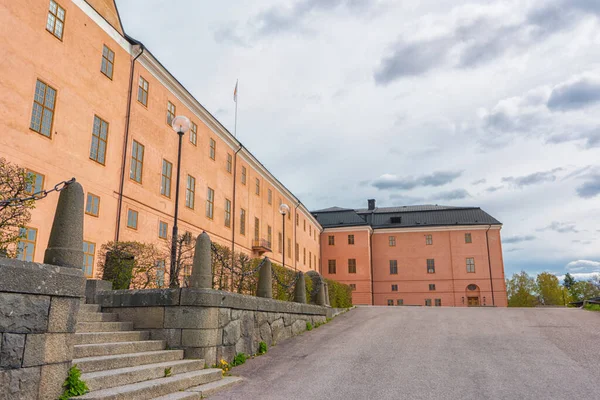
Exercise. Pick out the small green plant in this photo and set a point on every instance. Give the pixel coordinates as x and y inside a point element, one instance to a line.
<point>73,385</point>
<point>592,307</point>
<point>309,326</point>
<point>168,372</point>
<point>328,319</point>
<point>262,348</point>
<point>239,359</point>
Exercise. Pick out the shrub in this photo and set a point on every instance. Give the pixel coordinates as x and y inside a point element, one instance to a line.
<point>309,326</point>
<point>73,385</point>
<point>592,307</point>
<point>262,348</point>
<point>340,295</point>
<point>239,359</point>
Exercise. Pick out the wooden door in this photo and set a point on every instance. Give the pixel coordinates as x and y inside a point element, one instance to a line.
<point>473,301</point>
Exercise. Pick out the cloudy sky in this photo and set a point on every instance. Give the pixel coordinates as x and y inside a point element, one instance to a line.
<point>475,103</point>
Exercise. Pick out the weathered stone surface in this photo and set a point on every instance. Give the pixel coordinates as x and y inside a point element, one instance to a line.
<point>34,278</point>
<point>245,345</point>
<point>298,327</point>
<point>321,300</point>
<point>63,314</point>
<point>217,298</point>
<point>208,354</point>
<point>319,319</point>
<point>48,348</point>
<point>265,286</point>
<point>224,316</point>
<point>12,347</point>
<point>265,334</point>
<point>23,313</point>
<point>273,317</point>
<point>202,265</point>
<point>191,317</point>
<point>93,287</point>
<point>51,379</point>
<point>277,329</point>
<point>232,333</point>
<point>21,384</point>
<point>171,336</point>
<point>289,319</point>
<point>261,317</point>
<point>236,314</point>
<point>139,298</point>
<point>142,317</point>
<point>65,246</point>
<point>247,320</point>
<point>225,353</point>
<point>300,289</point>
<point>200,337</point>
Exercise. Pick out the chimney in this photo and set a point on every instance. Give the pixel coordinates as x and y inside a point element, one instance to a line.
<point>371,204</point>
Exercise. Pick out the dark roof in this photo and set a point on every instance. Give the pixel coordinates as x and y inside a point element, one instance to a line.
<point>404,217</point>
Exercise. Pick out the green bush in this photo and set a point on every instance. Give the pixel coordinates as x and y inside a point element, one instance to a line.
<point>239,359</point>
<point>262,348</point>
<point>340,295</point>
<point>592,307</point>
<point>309,326</point>
<point>73,385</point>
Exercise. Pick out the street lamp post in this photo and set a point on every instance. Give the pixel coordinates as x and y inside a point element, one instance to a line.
<point>283,210</point>
<point>180,125</point>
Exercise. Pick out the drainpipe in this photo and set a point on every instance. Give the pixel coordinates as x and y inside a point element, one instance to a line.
<point>371,262</point>
<point>487,240</point>
<point>297,255</point>
<point>125,142</point>
<point>233,212</point>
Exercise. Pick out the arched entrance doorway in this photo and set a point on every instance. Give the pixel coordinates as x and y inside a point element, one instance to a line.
<point>473,296</point>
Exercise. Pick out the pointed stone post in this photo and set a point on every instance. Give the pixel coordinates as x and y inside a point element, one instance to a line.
<point>321,293</point>
<point>201,277</point>
<point>265,287</point>
<point>300,289</point>
<point>327,303</point>
<point>65,246</point>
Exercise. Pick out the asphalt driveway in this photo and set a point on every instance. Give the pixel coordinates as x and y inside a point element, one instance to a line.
<point>433,353</point>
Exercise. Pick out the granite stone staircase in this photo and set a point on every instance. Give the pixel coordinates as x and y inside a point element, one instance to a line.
<point>117,362</point>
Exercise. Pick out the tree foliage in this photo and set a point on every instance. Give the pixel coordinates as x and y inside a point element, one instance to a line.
<point>549,290</point>
<point>180,272</point>
<point>583,290</point>
<point>132,265</point>
<point>14,183</point>
<point>568,281</point>
<point>520,289</point>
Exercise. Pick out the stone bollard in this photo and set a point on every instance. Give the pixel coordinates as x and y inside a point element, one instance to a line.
<point>265,286</point>
<point>65,246</point>
<point>321,293</point>
<point>201,277</point>
<point>327,303</point>
<point>300,289</point>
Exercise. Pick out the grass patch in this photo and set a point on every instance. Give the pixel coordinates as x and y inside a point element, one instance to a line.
<point>239,359</point>
<point>262,348</point>
<point>592,307</point>
<point>309,326</point>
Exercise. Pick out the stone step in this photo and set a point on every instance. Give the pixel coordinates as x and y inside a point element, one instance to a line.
<point>97,317</point>
<point>125,376</point>
<point>156,387</point>
<point>212,387</point>
<point>108,349</point>
<point>89,308</point>
<point>103,363</point>
<point>103,326</point>
<point>180,396</point>
<point>110,337</point>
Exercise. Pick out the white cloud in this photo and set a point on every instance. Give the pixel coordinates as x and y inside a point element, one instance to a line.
<point>581,265</point>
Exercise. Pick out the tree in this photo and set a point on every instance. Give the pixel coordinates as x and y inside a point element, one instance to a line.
<point>132,265</point>
<point>548,289</point>
<point>15,182</point>
<point>180,272</point>
<point>583,290</point>
<point>569,281</point>
<point>520,289</point>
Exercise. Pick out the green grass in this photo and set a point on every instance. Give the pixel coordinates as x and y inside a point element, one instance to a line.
<point>239,359</point>
<point>592,307</point>
<point>262,348</point>
<point>309,326</point>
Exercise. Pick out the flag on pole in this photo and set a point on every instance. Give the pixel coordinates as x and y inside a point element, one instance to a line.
<point>235,91</point>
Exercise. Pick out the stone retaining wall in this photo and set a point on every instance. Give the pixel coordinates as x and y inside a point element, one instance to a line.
<point>211,324</point>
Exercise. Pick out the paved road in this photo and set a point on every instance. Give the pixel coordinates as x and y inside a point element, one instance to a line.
<point>433,353</point>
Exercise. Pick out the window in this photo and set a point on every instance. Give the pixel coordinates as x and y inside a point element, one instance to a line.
<point>438,302</point>
<point>394,288</point>
<point>430,266</point>
<point>162,229</point>
<point>213,149</point>
<point>36,184</point>
<point>137,162</point>
<point>400,302</point>
<point>229,163</point>
<point>108,61</point>
<point>279,242</point>
<point>210,203</point>
<point>297,220</point>
<point>470,265</point>
<point>165,181</point>
<point>310,230</point>
<point>170,113</point>
<point>160,273</point>
<point>89,249</point>
<point>227,213</point>
<point>332,266</point>
<point>289,248</point>
<point>468,238</point>
<point>256,228</point>
<point>432,286</point>
<point>390,302</point>
<point>92,205</point>
<point>304,255</point>
<point>269,196</point>
<point>353,286</point>
<point>242,221</point>
<point>331,240</point>
<point>270,236</point>
<point>243,175</point>
<point>190,192</point>
<point>132,219</point>
<point>304,225</point>
<point>310,260</point>
<point>26,245</point>
<point>99,139</point>
<point>393,267</point>
<point>143,91</point>
<point>193,133</point>
<point>428,302</point>
<point>428,239</point>
<point>352,265</point>
<point>56,19</point>
<point>42,115</point>
<point>350,239</point>
<point>315,261</point>
<point>392,241</point>
<point>297,252</point>
<point>257,188</point>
